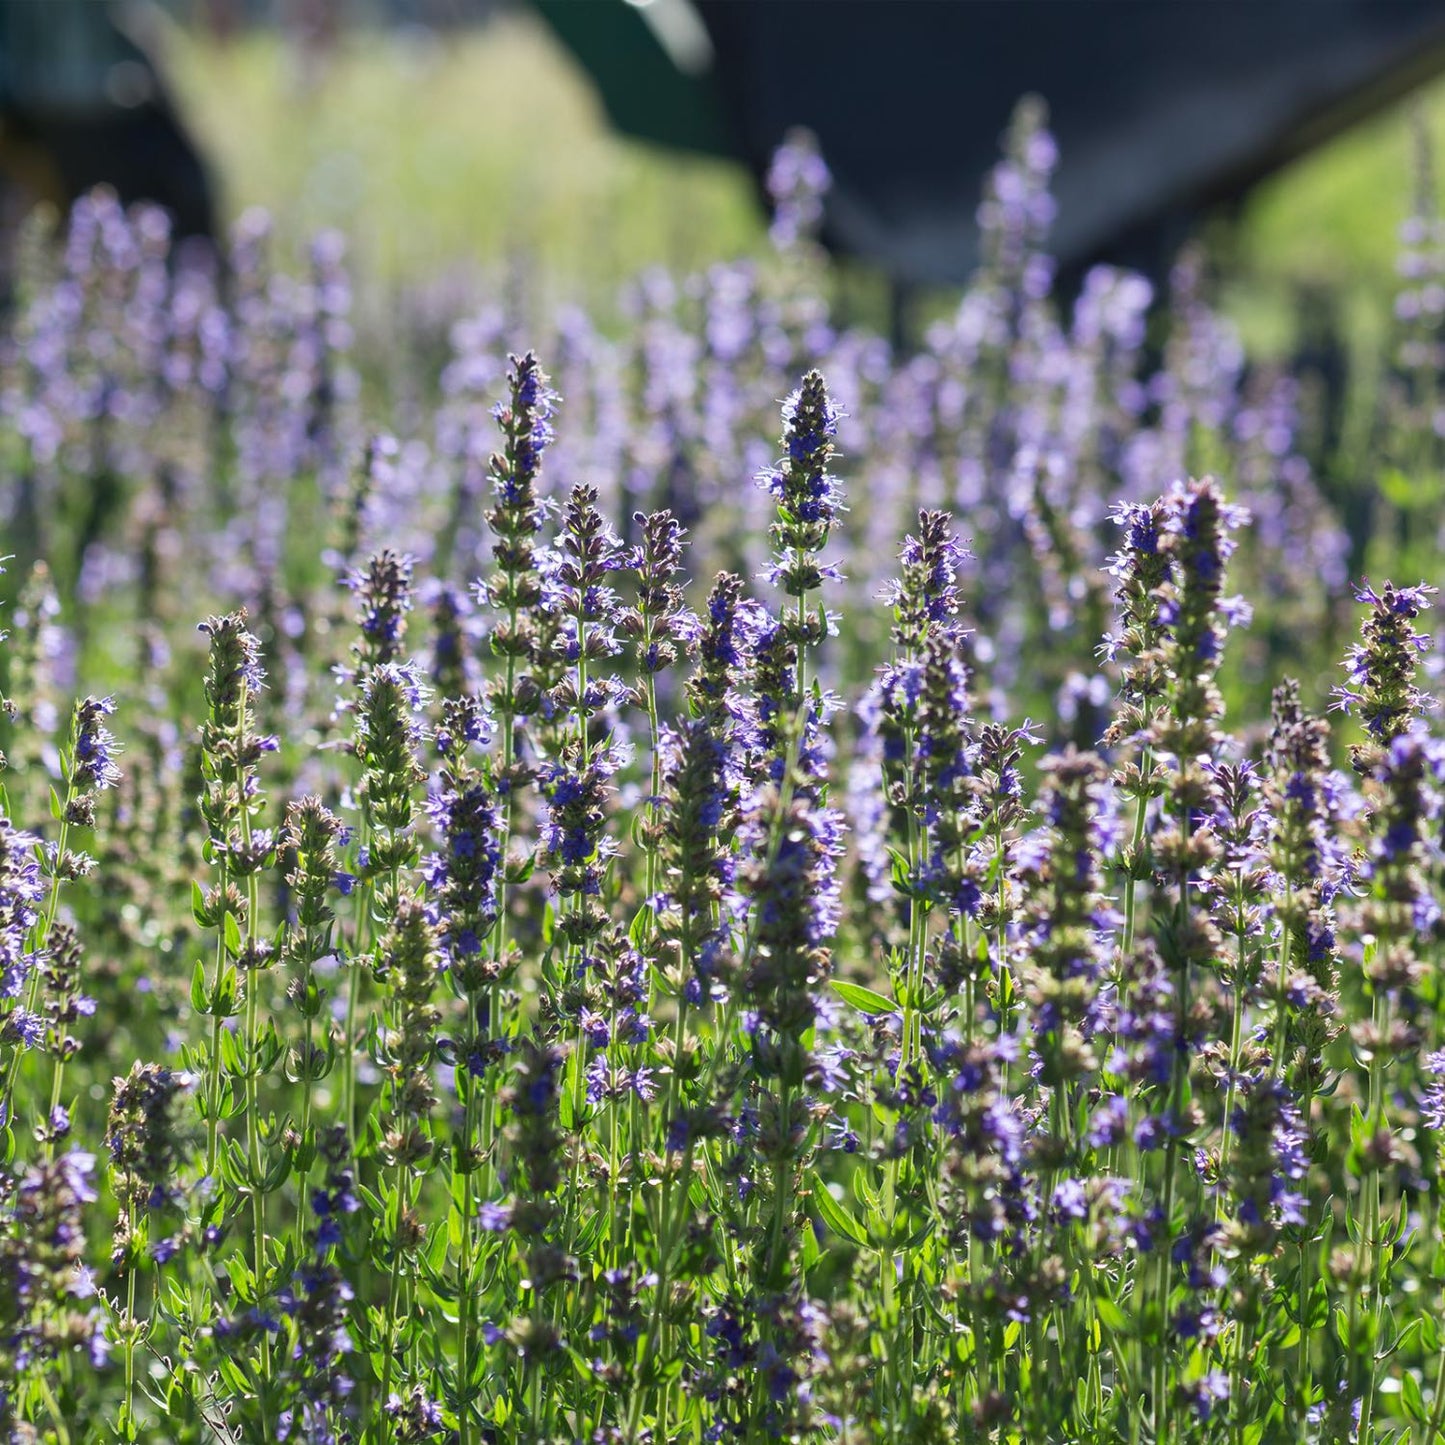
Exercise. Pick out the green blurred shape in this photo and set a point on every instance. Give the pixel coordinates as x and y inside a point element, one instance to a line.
<point>653,75</point>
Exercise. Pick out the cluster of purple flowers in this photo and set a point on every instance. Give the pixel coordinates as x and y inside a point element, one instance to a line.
<point>640,1083</point>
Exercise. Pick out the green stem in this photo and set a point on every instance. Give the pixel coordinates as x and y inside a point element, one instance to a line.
<point>1370,1252</point>
<point>253,1001</point>
<point>464,1313</point>
<point>303,1202</point>
<point>1177,1082</point>
<point>393,1289</point>
<point>1136,841</point>
<point>1001,857</point>
<point>52,1406</point>
<point>1281,1025</point>
<point>1435,1429</point>
<point>348,1047</point>
<point>128,1414</point>
<point>213,1062</point>
<point>1306,1333</point>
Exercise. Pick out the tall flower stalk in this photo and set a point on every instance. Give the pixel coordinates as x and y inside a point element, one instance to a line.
<point>309,839</point>
<point>407,967</point>
<point>808,499</point>
<point>231,753</point>
<point>513,593</point>
<point>1140,567</point>
<point>463,878</point>
<point>389,728</point>
<point>87,768</point>
<point>1185,729</point>
<point>1401,772</point>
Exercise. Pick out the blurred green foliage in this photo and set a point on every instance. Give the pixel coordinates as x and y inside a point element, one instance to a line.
<point>441,152</point>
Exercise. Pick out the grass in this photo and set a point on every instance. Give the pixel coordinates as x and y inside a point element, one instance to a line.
<point>452,153</point>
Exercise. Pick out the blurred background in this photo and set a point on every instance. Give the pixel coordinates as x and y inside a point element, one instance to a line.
<point>621,185</point>
<point>452,140</point>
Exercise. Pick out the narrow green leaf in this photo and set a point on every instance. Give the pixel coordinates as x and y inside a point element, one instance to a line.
<point>1412,1399</point>
<point>837,1218</point>
<point>863,999</point>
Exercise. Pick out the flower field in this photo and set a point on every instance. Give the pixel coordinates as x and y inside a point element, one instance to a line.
<point>710,879</point>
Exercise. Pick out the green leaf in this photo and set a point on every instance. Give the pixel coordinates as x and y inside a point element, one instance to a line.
<point>233,1375</point>
<point>811,1250</point>
<point>276,1175</point>
<point>1412,1399</point>
<point>837,1218</point>
<point>224,995</point>
<point>436,1255</point>
<point>1404,1339</point>
<point>901,873</point>
<point>198,903</point>
<point>232,931</point>
<point>1396,486</point>
<point>866,1196</point>
<point>641,926</point>
<point>235,1167</point>
<point>863,999</point>
<point>230,1052</point>
<point>199,1001</point>
<point>1110,1315</point>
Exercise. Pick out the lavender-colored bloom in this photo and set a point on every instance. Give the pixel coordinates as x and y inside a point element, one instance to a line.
<point>494,1218</point>
<point>1108,1123</point>
<point>23,1027</point>
<point>462,876</point>
<point>789,877</point>
<point>577,794</point>
<point>1432,1107</point>
<point>94,745</point>
<point>384,598</point>
<point>798,180</point>
<point>22,891</point>
<point>660,625</point>
<point>1381,687</point>
<point>144,1149</point>
<point>1064,950</point>
<point>42,1245</point>
<point>415,1417</point>
<point>984,1141</point>
<point>809,498</point>
<point>389,731</point>
<point>585,609</point>
<point>1203,1394</point>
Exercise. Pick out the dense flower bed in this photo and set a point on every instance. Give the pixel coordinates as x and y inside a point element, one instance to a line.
<point>595,949</point>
